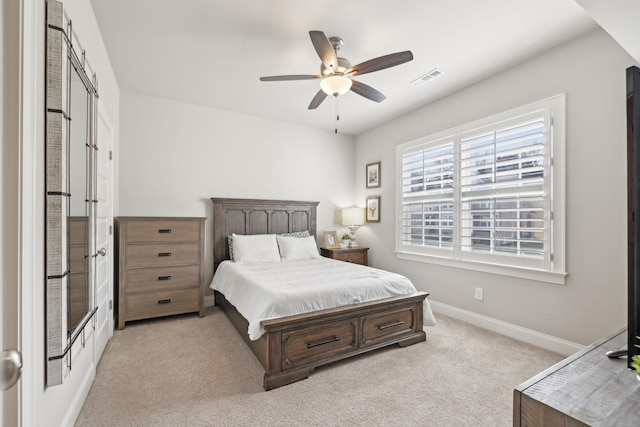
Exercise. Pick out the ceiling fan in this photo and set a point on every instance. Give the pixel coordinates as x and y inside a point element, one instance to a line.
<point>336,73</point>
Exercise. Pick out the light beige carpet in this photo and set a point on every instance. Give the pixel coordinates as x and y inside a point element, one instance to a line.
<point>190,371</point>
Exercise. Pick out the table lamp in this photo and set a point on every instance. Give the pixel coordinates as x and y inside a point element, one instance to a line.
<point>353,218</point>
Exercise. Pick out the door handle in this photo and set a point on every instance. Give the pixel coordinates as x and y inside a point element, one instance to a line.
<point>10,368</point>
<point>102,252</point>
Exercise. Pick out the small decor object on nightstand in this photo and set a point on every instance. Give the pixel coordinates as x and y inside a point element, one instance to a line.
<point>344,241</point>
<point>373,209</point>
<point>331,240</point>
<point>373,175</point>
<point>635,362</point>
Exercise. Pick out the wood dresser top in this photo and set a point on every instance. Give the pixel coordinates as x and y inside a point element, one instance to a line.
<point>590,387</point>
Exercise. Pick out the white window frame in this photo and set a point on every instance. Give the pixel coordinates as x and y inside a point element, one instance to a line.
<point>551,268</point>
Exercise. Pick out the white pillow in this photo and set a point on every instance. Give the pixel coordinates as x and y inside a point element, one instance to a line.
<point>255,248</point>
<point>297,248</point>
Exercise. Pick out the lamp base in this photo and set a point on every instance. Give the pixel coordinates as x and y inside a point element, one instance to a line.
<point>352,230</point>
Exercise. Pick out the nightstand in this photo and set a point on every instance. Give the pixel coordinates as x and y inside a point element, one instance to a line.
<point>357,255</point>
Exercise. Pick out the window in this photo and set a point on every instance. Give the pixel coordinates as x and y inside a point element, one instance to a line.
<point>488,195</point>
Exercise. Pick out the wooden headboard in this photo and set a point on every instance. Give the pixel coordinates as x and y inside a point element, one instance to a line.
<point>252,216</point>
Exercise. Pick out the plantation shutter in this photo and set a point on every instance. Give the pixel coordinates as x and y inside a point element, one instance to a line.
<point>502,188</point>
<point>427,217</point>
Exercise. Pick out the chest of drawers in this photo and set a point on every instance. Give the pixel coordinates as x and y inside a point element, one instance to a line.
<point>160,269</point>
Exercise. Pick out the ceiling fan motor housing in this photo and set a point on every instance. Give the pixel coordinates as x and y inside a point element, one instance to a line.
<point>343,65</point>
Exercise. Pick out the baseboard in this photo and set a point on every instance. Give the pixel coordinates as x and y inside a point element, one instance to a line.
<point>548,342</point>
<point>79,397</point>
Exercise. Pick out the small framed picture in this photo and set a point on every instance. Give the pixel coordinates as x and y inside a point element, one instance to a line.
<point>373,175</point>
<point>331,240</point>
<point>373,209</point>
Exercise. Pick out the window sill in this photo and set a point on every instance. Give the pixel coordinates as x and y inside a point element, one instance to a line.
<point>503,270</point>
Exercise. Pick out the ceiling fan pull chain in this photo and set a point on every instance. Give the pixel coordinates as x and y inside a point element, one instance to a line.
<point>337,112</point>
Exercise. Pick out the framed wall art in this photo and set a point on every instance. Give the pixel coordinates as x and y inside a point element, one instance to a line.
<point>373,209</point>
<point>373,175</point>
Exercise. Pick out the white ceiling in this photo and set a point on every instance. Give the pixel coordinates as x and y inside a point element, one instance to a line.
<point>620,19</point>
<point>212,52</point>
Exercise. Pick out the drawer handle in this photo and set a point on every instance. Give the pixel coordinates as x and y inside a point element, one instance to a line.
<point>164,230</point>
<point>323,342</point>
<point>390,325</point>
<point>164,301</point>
<point>164,254</point>
<point>164,277</point>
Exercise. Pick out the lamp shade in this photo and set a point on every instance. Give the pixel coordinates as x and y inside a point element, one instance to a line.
<point>335,85</point>
<point>352,216</point>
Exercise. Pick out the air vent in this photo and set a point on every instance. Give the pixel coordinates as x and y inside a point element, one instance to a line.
<point>427,77</point>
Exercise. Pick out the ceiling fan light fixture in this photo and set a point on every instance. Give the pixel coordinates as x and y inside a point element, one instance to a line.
<point>335,85</point>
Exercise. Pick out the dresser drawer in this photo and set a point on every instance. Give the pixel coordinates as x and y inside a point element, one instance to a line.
<point>78,233</point>
<point>77,259</point>
<point>162,255</point>
<point>376,327</point>
<point>314,343</point>
<point>162,278</point>
<point>161,303</point>
<point>357,255</point>
<point>144,231</point>
<point>354,257</point>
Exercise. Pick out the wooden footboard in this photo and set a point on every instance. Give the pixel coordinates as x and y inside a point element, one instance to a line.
<point>293,346</point>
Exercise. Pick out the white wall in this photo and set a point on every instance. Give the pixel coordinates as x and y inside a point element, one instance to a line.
<point>59,405</point>
<point>174,157</point>
<point>591,71</point>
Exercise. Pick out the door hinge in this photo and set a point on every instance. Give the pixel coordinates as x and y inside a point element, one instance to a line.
<point>110,304</point>
<point>110,155</point>
<point>110,230</point>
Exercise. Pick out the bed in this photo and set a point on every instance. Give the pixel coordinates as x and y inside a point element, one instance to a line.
<point>291,347</point>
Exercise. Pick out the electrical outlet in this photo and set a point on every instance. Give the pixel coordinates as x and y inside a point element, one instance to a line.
<point>479,294</point>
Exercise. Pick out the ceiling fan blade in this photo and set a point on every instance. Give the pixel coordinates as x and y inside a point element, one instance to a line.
<point>367,91</point>
<point>324,49</point>
<point>291,77</point>
<point>380,63</point>
<point>317,100</point>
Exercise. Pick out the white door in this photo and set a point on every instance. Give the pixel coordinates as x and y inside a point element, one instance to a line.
<point>10,358</point>
<point>9,211</point>
<point>104,235</point>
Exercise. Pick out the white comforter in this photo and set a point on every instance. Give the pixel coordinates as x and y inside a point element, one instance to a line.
<point>262,291</point>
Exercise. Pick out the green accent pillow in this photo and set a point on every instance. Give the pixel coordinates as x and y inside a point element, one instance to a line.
<point>304,233</point>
